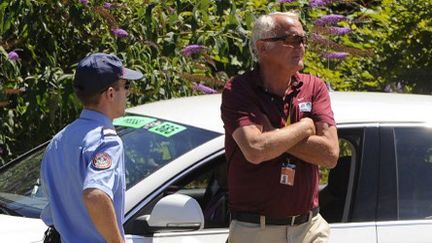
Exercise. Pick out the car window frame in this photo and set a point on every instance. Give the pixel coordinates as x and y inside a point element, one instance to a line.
<point>389,198</point>
<point>151,198</point>
<point>363,173</point>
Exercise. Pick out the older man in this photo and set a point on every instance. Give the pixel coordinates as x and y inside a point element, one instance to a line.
<point>279,129</point>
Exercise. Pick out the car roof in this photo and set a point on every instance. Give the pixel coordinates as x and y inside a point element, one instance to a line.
<point>199,111</point>
<point>349,107</point>
<point>364,107</point>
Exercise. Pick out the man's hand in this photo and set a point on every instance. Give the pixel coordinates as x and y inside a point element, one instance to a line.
<point>310,125</point>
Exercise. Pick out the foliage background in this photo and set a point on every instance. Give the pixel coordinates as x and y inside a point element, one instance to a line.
<point>36,96</point>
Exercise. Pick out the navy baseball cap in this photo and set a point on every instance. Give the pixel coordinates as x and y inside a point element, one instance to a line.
<point>98,71</point>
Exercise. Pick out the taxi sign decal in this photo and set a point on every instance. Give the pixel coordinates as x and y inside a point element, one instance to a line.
<point>102,161</point>
<point>167,129</point>
<point>132,121</point>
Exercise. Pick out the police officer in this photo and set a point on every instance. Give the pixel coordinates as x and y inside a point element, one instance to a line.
<point>83,167</point>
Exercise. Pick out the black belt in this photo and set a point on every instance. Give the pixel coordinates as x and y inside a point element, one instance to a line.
<point>293,220</point>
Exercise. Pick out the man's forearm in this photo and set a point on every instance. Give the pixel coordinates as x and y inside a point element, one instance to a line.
<point>322,150</point>
<point>260,146</point>
<point>101,210</point>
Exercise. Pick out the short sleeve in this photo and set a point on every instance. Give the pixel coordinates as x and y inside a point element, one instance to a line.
<point>239,107</point>
<point>322,110</point>
<point>103,167</point>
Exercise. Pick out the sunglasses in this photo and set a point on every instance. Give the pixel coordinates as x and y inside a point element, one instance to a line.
<point>291,40</point>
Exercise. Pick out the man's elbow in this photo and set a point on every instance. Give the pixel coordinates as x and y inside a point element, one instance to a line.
<point>254,151</point>
<point>333,157</point>
<point>254,157</point>
<point>332,161</point>
<point>92,195</point>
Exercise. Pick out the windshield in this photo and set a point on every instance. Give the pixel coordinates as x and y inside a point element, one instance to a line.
<point>149,143</point>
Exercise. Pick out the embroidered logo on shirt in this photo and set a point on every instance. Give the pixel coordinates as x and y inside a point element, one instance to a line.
<point>102,161</point>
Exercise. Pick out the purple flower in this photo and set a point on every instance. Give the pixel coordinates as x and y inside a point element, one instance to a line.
<point>399,87</point>
<point>329,19</point>
<point>317,38</point>
<point>120,32</point>
<point>204,89</point>
<point>318,3</point>
<point>286,1</point>
<point>85,2</point>
<point>395,87</point>
<point>388,88</point>
<point>340,30</point>
<point>13,56</point>
<point>335,55</point>
<point>108,5</point>
<point>192,49</point>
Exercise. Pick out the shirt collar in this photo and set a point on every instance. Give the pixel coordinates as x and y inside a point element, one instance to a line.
<point>96,116</point>
<point>258,83</point>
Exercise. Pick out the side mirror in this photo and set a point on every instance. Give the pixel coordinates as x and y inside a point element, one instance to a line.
<point>175,212</point>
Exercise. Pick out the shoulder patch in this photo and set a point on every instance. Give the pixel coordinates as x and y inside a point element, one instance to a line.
<point>109,132</point>
<point>102,161</point>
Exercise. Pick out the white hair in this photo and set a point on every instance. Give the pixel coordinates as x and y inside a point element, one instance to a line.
<point>265,27</point>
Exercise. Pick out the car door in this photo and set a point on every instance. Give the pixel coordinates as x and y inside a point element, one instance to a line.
<point>405,198</point>
<point>206,183</point>
<point>354,183</point>
<point>352,214</point>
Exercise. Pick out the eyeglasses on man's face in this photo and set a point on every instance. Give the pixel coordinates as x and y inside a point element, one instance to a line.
<point>291,40</point>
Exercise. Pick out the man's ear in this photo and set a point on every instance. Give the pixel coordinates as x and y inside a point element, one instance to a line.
<point>109,93</point>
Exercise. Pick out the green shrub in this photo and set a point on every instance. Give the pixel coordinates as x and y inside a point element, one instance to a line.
<point>52,36</point>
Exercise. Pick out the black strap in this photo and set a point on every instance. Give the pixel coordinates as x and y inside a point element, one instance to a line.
<point>293,220</point>
<point>51,235</point>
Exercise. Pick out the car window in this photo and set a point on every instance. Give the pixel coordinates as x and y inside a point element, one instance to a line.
<point>414,160</point>
<point>155,144</point>
<point>337,196</point>
<point>149,143</point>
<point>207,184</point>
<point>335,182</point>
<point>20,189</point>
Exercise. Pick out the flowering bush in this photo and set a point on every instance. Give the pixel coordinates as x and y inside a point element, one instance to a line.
<point>183,47</point>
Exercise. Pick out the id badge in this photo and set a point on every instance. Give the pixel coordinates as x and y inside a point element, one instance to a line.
<point>287,174</point>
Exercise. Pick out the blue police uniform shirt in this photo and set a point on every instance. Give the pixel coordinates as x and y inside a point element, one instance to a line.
<point>85,154</point>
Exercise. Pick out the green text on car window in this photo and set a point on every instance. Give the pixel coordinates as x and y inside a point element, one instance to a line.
<point>132,121</point>
<point>167,129</point>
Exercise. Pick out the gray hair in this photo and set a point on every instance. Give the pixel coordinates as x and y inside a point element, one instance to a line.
<point>265,27</point>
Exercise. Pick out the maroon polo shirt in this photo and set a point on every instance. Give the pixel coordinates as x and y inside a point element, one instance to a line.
<point>256,188</point>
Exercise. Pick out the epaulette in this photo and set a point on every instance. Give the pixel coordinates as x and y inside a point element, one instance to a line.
<point>108,132</point>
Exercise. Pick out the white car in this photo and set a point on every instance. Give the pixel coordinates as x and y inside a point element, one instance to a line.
<point>380,191</point>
